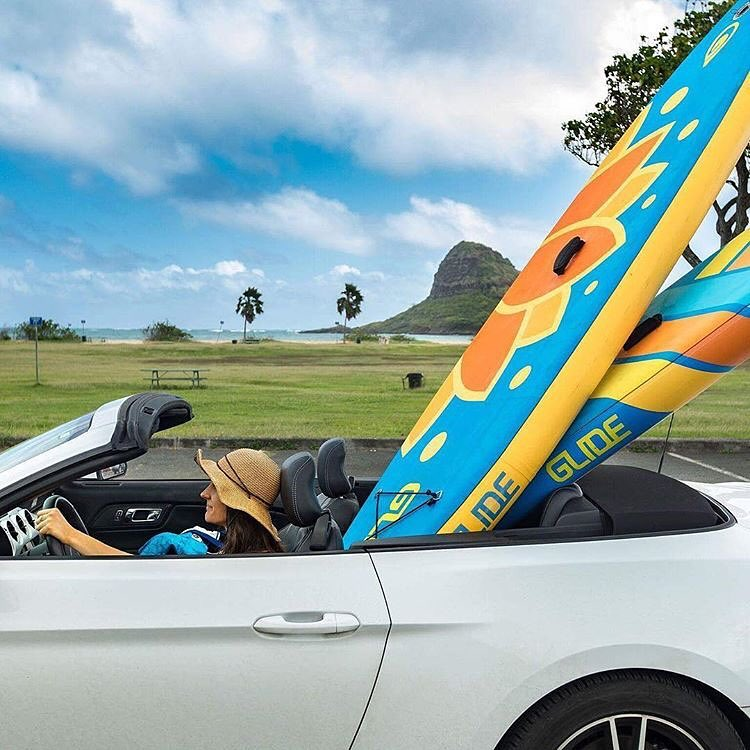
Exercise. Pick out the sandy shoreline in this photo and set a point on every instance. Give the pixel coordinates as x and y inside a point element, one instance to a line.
<point>212,342</point>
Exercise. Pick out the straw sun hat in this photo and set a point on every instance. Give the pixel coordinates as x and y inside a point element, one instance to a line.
<point>246,480</point>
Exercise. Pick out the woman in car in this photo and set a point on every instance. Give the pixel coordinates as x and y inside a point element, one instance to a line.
<point>244,484</point>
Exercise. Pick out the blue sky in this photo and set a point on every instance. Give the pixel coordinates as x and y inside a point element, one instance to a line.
<point>157,157</point>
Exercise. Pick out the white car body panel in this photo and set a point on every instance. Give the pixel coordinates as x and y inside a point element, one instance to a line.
<point>735,496</point>
<point>481,634</point>
<point>161,653</point>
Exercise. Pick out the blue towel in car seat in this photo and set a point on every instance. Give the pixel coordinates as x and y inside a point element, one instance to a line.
<point>168,543</point>
<point>214,540</point>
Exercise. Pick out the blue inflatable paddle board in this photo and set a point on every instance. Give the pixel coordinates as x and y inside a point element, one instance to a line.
<point>692,334</point>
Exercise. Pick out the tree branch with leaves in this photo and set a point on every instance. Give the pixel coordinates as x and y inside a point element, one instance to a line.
<point>632,81</point>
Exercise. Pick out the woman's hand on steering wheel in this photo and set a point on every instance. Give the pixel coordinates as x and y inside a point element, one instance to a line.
<point>51,522</point>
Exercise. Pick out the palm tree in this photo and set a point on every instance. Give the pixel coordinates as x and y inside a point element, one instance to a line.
<point>349,303</point>
<point>248,306</point>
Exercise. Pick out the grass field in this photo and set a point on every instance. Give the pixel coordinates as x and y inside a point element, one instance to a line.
<point>274,389</point>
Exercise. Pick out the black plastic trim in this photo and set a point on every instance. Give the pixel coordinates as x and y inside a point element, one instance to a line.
<point>353,550</point>
<point>521,537</point>
<point>642,330</point>
<point>566,255</point>
<point>144,414</point>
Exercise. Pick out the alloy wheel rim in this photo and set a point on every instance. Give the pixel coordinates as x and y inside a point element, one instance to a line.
<point>631,732</point>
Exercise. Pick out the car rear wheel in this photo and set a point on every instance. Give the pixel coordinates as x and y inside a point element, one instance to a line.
<point>624,711</point>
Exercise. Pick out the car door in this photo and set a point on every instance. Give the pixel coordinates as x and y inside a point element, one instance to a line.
<point>482,631</point>
<point>262,651</point>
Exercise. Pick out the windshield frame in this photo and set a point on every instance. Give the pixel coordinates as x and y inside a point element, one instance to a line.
<point>37,446</point>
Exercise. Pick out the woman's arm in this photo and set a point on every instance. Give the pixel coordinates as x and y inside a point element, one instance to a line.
<point>52,523</point>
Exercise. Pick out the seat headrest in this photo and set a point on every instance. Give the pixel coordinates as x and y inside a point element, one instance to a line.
<point>332,477</point>
<point>297,490</point>
<point>562,499</point>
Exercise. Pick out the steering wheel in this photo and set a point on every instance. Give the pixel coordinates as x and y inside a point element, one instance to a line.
<point>70,514</point>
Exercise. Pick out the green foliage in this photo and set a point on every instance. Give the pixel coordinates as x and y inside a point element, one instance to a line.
<point>5,334</point>
<point>360,337</point>
<point>249,305</point>
<point>48,331</point>
<point>400,338</point>
<point>165,331</point>
<point>460,314</point>
<point>350,302</point>
<point>632,81</point>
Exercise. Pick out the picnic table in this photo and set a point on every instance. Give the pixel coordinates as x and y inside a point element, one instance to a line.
<point>195,375</point>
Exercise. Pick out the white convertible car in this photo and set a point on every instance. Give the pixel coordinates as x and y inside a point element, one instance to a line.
<point>620,620</point>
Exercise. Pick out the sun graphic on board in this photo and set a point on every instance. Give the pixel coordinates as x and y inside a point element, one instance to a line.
<point>535,304</point>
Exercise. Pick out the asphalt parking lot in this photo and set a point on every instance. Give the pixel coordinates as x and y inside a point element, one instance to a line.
<point>688,464</point>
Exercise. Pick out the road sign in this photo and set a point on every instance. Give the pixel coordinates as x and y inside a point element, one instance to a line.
<point>35,321</point>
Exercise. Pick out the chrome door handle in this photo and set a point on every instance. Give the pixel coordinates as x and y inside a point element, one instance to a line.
<point>307,623</point>
<point>142,515</point>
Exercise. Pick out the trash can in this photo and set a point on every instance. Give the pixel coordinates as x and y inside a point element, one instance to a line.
<point>414,379</point>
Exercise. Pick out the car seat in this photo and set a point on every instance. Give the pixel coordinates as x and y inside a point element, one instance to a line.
<point>312,527</point>
<point>336,493</point>
<point>567,506</point>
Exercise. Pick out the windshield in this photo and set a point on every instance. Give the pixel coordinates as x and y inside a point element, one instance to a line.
<point>42,443</point>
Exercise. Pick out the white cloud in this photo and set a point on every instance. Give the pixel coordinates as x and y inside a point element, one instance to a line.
<point>297,213</point>
<point>343,270</point>
<point>330,284</point>
<point>229,268</point>
<point>627,23</point>
<point>192,296</point>
<point>34,117</point>
<point>438,225</point>
<point>323,222</point>
<point>12,280</point>
<point>142,88</point>
<point>229,275</point>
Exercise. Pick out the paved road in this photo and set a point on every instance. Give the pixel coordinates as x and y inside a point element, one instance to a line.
<point>177,463</point>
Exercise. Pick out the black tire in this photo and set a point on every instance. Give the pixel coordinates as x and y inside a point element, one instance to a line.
<point>556,719</point>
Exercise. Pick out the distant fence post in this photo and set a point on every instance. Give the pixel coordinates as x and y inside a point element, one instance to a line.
<point>36,322</point>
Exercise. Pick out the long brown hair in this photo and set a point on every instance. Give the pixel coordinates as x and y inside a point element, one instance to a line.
<point>246,535</point>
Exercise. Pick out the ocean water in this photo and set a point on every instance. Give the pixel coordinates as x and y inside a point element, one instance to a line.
<point>206,334</point>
